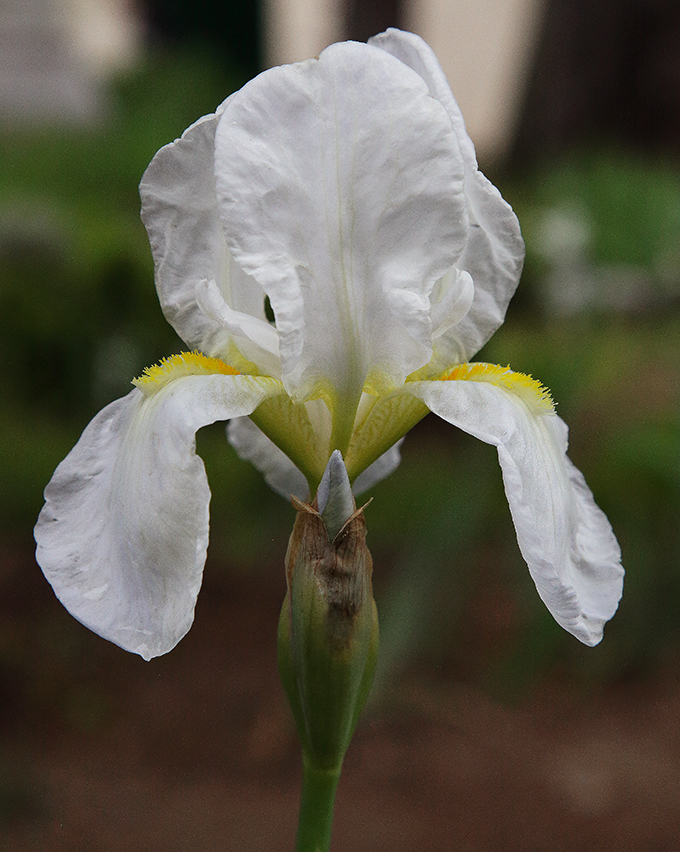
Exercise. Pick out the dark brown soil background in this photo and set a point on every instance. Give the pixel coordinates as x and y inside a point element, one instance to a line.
<point>102,752</point>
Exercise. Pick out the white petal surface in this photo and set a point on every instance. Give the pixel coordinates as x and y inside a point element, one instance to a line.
<point>566,540</point>
<point>179,210</point>
<point>450,300</point>
<point>257,338</point>
<point>123,534</point>
<point>495,250</point>
<point>339,184</point>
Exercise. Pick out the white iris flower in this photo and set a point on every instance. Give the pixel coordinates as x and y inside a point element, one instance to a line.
<point>344,192</point>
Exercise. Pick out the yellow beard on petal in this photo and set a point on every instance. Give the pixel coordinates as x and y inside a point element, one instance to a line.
<point>176,367</point>
<point>530,390</point>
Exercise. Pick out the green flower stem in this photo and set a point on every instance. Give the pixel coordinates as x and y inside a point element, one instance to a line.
<point>328,641</point>
<point>316,808</point>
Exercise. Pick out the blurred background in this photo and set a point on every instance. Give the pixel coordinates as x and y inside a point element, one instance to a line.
<point>489,726</point>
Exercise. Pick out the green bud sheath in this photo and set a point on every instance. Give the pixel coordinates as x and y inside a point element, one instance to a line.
<point>328,641</point>
<point>328,633</point>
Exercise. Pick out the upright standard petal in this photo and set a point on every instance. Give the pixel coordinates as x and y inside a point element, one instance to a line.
<point>179,210</point>
<point>123,534</point>
<point>340,187</point>
<point>256,338</point>
<point>494,253</point>
<point>566,540</point>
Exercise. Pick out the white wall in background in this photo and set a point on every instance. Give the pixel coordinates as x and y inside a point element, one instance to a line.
<point>485,48</point>
<point>55,53</point>
<point>299,29</point>
<point>105,34</point>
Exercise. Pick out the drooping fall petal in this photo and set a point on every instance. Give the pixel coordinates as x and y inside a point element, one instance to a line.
<point>123,534</point>
<point>566,540</point>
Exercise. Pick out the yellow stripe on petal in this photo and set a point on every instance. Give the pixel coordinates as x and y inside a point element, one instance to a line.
<point>530,390</point>
<point>179,366</point>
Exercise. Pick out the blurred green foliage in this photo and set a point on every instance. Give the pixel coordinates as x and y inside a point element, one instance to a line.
<point>79,318</point>
<point>78,313</point>
<point>606,214</point>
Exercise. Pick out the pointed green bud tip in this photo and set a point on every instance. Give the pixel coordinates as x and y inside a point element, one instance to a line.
<point>334,497</point>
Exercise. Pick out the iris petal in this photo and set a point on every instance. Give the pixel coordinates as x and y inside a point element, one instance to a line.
<point>495,251</point>
<point>340,187</point>
<point>179,210</point>
<point>566,540</point>
<point>256,338</point>
<point>279,472</point>
<point>123,534</point>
